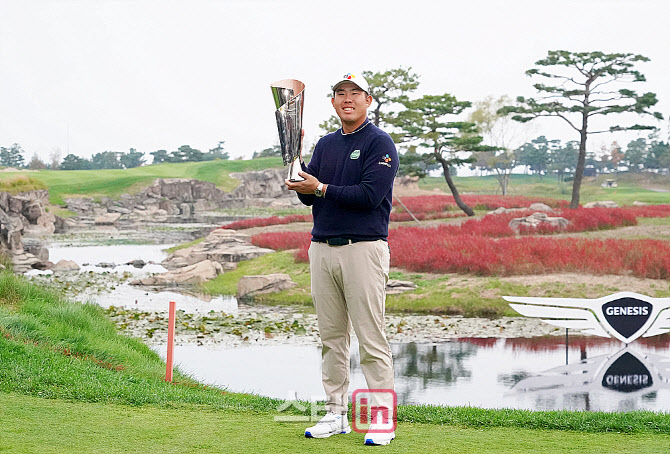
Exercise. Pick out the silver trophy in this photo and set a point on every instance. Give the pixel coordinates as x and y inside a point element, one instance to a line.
<point>288,95</point>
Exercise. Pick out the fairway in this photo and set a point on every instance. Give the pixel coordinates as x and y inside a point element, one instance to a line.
<point>34,425</point>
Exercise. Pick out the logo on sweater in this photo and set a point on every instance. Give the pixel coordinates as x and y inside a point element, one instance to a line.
<point>386,161</point>
<point>355,154</point>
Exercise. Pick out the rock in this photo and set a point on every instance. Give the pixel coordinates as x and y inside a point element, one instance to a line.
<point>107,219</point>
<point>602,204</point>
<point>192,274</point>
<point>640,204</point>
<point>249,286</point>
<point>185,210</point>
<point>501,210</point>
<point>224,246</point>
<point>65,265</point>
<point>137,263</point>
<point>535,219</point>
<point>62,225</point>
<point>36,247</point>
<point>394,286</point>
<point>80,205</point>
<point>43,265</point>
<point>33,211</point>
<point>106,265</point>
<point>23,262</point>
<point>539,207</point>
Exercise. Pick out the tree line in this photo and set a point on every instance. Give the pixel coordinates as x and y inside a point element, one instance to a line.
<point>13,157</point>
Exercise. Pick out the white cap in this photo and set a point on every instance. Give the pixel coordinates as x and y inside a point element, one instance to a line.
<point>354,78</point>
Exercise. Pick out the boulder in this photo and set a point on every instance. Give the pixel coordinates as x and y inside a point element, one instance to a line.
<point>192,274</point>
<point>539,207</point>
<point>23,262</point>
<point>36,247</point>
<point>640,204</point>
<point>106,265</point>
<point>249,286</point>
<point>535,219</point>
<point>394,286</point>
<point>602,204</point>
<point>501,210</point>
<point>65,265</point>
<point>137,263</point>
<point>224,246</point>
<point>107,219</point>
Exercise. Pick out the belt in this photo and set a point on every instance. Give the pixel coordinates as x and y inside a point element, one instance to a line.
<point>339,241</point>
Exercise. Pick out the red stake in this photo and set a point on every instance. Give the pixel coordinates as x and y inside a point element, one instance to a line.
<point>170,344</point>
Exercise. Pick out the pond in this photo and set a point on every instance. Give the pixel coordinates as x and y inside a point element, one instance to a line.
<point>528,373</point>
<point>537,373</point>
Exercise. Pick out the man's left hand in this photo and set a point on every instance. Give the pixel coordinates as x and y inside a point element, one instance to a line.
<point>303,187</point>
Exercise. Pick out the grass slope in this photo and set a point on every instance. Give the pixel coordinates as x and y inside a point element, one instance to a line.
<point>114,182</point>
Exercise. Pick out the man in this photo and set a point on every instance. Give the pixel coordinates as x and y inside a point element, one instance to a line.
<point>349,183</point>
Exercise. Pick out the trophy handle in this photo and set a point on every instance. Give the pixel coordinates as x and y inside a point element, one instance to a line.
<point>293,170</point>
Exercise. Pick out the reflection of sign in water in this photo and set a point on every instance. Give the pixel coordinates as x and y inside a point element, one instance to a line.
<point>627,374</point>
<point>626,371</point>
<point>625,316</point>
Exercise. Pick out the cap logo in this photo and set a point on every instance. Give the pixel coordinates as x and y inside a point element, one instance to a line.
<point>349,76</point>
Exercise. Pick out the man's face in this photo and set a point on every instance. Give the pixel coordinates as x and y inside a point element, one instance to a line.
<point>351,104</point>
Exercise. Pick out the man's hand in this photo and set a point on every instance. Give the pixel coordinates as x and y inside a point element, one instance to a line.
<point>303,187</point>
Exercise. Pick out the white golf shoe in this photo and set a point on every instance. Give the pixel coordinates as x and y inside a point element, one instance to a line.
<point>331,424</point>
<point>380,433</point>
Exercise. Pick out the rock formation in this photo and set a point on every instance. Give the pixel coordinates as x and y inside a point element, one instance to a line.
<point>250,286</point>
<point>221,250</point>
<point>535,219</point>
<point>25,214</point>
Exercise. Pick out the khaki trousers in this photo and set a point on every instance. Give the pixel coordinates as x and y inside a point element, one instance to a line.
<point>349,289</point>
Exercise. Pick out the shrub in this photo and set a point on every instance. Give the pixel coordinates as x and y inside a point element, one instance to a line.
<point>263,222</point>
<point>281,241</point>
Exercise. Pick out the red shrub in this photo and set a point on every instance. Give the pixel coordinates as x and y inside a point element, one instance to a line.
<point>430,250</point>
<point>262,222</point>
<point>281,241</point>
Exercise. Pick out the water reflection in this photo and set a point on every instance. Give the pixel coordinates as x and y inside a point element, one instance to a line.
<point>488,373</point>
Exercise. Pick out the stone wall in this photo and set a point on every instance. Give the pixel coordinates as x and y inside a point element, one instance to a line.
<point>182,199</point>
<point>25,214</point>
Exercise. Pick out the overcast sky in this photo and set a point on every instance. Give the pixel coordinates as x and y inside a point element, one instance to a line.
<point>89,76</point>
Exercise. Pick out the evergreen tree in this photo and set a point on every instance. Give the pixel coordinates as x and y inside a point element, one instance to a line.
<point>585,87</point>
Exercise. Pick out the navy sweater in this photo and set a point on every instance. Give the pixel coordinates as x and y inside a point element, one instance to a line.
<point>359,169</point>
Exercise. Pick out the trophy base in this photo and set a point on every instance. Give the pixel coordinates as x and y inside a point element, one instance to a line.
<point>293,170</point>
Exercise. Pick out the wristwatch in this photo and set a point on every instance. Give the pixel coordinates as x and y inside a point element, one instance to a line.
<point>319,190</point>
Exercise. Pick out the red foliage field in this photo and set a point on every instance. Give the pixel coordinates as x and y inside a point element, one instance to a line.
<point>430,250</point>
<point>487,246</point>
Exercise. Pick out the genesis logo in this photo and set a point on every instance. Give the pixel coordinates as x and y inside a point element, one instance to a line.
<point>625,316</point>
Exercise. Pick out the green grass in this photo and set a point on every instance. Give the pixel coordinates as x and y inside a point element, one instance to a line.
<point>632,187</point>
<point>32,425</point>
<point>112,183</point>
